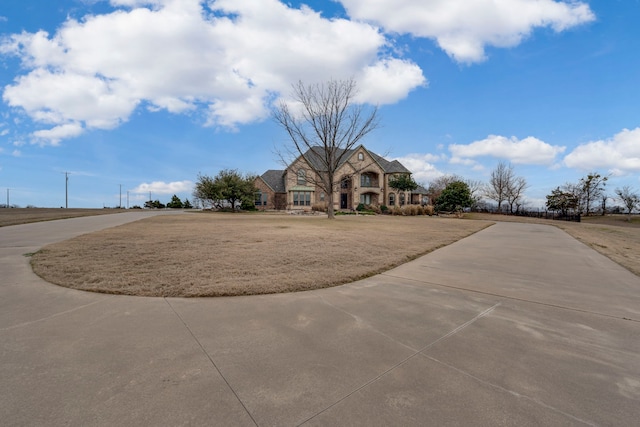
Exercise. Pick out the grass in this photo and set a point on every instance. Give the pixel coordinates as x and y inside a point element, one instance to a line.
<point>209,254</point>
<point>15,216</point>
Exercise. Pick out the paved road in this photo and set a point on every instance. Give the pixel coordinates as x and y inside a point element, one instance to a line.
<point>518,325</point>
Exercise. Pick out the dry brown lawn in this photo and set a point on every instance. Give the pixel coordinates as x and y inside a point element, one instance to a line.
<point>209,254</point>
<point>612,235</point>
<point>26,215</point>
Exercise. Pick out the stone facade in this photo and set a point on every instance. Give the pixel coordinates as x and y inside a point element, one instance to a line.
<point>362,177</point>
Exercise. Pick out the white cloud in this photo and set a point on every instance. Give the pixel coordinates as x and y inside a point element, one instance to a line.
<point>401,77</point>
<point>422,166</point>
<point>463,28</point>
<point>58,133</point>
<point>159,187</point>
<point>619,154</point>
<point>526,151</point>
<point>223,59</point>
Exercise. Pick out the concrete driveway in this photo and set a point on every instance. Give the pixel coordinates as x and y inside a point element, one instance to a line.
<point>518,325</point>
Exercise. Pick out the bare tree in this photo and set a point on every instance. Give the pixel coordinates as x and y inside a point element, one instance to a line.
<point>629,198</point>
<point>502,178</point>
<point>475,187</point>
<point>328,125</point>
<point>515,192</point>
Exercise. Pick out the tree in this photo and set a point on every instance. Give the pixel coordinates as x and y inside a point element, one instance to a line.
<point>455,196</point>
<point>327,125</point>
<point>514,192</point>
<point>403,182</point>
<point>439,184</point>
<point>187,204</point>
<point>501,180</point>
<point>591,188</point>
<point>175,203</point>
<point>206,191</point>
<point>228,189</point>
<point>563,200</point>
<point>629,198</point>
<point>154,204</point>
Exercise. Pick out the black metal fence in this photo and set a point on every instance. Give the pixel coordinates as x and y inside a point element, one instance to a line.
<point>558,216</point>
<point>548,215</point>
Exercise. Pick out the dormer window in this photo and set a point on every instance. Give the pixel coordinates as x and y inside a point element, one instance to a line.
<point>360,156</point>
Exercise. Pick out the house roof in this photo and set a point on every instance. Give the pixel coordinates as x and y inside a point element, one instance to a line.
<point>275,180</point>
<point>389,166</point>
<point>420,190</point>
<point>314,157</point>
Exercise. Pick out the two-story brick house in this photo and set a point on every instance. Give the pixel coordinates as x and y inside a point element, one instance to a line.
<point>362,176</point>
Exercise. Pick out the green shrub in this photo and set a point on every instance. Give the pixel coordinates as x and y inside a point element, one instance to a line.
<point>360,207</point>
<point>248,205</point>
<point>384,209</point>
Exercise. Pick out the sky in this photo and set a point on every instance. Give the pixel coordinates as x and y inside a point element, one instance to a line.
<point>135,98</point>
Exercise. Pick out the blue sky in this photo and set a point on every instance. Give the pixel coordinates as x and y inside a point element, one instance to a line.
<point>142,95</point>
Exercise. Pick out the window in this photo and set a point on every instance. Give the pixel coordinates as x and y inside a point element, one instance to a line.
<point>365,199</point>
<point>392,199</point>
<point>322,197</point>
<point>360,156</point>
<point>369,179</point>
<point>401,199</point>
<point>261,199</point>
<point>345,184</point>
<point>302,177</point>
<point>302,198</point>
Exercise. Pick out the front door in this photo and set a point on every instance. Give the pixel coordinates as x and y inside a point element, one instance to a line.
<point>344,198</point>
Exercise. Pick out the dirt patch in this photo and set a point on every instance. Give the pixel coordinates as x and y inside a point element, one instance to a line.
<point>612,235</point>
<point>15,216</point>
<point>205,254</point>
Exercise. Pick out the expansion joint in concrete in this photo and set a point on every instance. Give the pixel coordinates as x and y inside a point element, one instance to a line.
<point>213,363</point>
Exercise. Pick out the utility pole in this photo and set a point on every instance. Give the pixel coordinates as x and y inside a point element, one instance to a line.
<point>127,199</point>
<point>8,205</point>
<point>120,204</point>
<point>66,189</point>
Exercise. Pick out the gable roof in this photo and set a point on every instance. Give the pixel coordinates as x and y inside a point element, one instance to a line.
<point>393,166</point>
<point>314,155</point>
<point>274,179</point>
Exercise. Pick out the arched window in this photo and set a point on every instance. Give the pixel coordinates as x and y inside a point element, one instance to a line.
<point>360,156</point>
<point>302,177</point>
<point>392,199</point>
<point>402,199</point>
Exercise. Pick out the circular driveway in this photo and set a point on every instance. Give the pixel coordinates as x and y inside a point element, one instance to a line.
<point>519,324</point>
